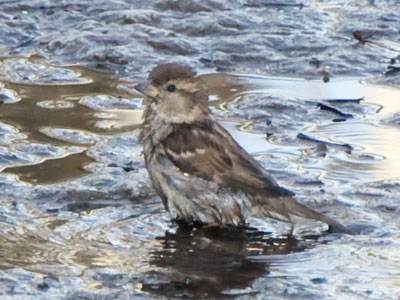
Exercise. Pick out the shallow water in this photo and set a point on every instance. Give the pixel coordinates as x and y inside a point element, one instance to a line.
<point>79,218</point>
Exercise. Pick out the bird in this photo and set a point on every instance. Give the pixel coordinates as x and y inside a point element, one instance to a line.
<point>202,175</point>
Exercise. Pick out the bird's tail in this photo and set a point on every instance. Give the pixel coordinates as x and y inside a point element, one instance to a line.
<point>292,207</point>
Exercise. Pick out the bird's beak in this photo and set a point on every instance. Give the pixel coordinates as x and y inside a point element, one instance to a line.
<point>147,89</point>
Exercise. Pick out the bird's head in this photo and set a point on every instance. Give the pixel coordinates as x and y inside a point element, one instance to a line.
<point>173,94</point>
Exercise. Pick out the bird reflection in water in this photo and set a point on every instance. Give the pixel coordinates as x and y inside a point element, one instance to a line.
<point>204,262</point>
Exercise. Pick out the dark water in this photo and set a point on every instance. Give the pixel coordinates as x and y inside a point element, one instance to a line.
<point>78,216</point>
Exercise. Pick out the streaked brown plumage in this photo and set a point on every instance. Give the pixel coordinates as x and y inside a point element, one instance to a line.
<point>195,165</point>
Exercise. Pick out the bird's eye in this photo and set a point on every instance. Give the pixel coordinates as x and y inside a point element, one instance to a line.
<point>171,88</point>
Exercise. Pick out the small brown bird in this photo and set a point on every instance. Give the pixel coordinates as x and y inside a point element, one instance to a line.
<point>195,165</point>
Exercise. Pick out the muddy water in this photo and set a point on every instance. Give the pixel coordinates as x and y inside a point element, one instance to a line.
<point>79,218</point>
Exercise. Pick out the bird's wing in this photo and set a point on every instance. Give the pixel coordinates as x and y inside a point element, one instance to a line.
<point>208,151</point>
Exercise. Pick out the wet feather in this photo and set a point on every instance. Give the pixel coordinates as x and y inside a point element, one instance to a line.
<point>196,166</point>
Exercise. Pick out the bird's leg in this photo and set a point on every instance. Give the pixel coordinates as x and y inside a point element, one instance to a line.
<point>291,230</point>
<point>188,223</point>
<point>182,223</point>
<point>211,225</point>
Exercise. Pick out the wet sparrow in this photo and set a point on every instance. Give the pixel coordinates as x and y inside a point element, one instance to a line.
<point>195,165</point>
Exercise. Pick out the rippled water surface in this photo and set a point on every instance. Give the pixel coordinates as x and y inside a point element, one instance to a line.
<point>79,218</point>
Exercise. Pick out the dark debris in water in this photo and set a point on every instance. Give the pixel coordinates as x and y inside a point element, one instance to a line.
<point>275,4</point>
<point>363,35</point>
<point>356,100</point>
<point>131,166</point>
<point>392,70</point>
<point>326,107</point>
<point>345,147</point>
